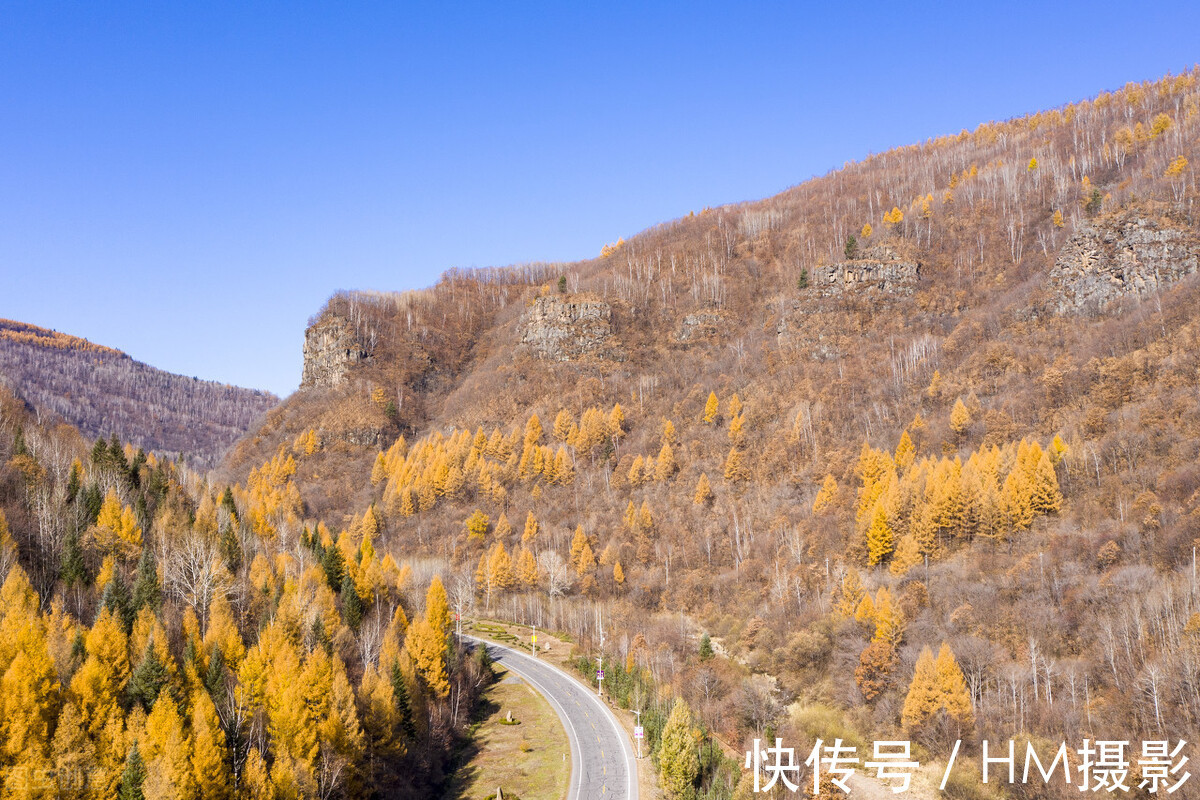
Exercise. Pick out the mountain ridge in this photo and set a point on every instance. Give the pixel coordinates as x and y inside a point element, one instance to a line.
<point>101,391</point>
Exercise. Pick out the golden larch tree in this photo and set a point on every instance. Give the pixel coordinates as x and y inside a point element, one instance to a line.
<point>735,467</point>
<point>848,592</point>
<point>952,687</point>
<point>906,452</point>
<point>880,540</point>
<point>562,425</point>
<point>665,465</point>
<point>668,433</point>
<point>527,569</point>
<point>960,418</point>
<point>923,699</point>
<point>889,619</point>
<point>477,526</point>
<point>578,540</point>
<point>209,770</point>
<point>530,535</point>
<point>437,608</point>
<point>166,748</point>
<point>826,495</point>
<point>428,653</point>
<point>1045,497</point>
<point>616,421</point>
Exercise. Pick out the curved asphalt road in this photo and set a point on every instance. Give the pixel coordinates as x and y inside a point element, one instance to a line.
<point>602,763</point>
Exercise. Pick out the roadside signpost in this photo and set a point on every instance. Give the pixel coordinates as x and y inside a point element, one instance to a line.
<point>639,733</point>
<point>600,665</point>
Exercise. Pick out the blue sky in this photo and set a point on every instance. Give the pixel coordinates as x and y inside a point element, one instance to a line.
<point>189,181</point>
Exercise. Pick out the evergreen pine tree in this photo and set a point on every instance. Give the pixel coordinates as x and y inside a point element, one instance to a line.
<point>116,455</point>
<point>146,591</point>
<point>73,482</point>
<point>231,548</point>
<point>214,676</point>
<point>133,776</point>
<point>334,566</point>
<point>148,679</point>
<point>117,600</point>
<point>403,704</point>
<point>73,569</point>
<point>352,607</point>
<point>93,500</point>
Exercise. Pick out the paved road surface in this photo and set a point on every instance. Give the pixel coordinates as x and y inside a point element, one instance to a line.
<point>602,763</point>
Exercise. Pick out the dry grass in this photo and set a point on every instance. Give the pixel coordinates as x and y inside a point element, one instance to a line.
<point>531,759</point>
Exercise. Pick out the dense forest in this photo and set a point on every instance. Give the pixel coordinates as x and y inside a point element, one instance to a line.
<point>906,451</point>
<point>102,391</point>
<point>939,402</point>
<point>162,637</point>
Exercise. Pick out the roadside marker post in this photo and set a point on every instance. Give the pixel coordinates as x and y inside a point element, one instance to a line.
<point>638,732</point>
<point>600,666</point>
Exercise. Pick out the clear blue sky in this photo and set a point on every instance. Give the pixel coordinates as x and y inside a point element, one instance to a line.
<point>189,181</point>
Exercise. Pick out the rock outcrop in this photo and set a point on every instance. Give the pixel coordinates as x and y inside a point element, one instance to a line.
<point>331,348</point>
<point>564,328</point>
<point>699,326</point>
<point>1129,255</point>
<point>880,269</point>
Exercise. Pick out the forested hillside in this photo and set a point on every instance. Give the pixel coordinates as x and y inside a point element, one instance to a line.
<point>102,391</point>
<point>944,395</point>
<point>164,638</point>
<point>942,400</point>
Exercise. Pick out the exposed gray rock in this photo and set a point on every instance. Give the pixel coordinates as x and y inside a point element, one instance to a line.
<point>1125,256</point>
<point>880,269</point>
<point>562,328</point>
<point>330,349</point>
<point>700,325</point>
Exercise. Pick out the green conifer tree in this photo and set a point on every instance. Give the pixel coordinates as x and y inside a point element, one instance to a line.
<point>679,764</point>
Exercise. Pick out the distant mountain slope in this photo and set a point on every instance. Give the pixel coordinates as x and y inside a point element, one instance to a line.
<point>103,391</point>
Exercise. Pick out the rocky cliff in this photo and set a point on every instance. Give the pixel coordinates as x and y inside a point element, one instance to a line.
<point>700,326</point>
<point>880,269</point>
<point>331,348</point>
<point>1131,254</point>
<point>563,328</point>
